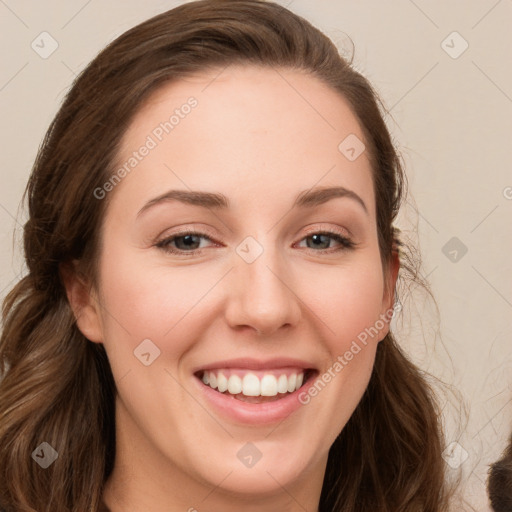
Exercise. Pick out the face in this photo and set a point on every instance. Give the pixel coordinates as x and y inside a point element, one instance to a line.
<point>256,282</point>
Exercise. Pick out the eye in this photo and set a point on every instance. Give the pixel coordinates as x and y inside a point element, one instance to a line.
<point>188,243</point>
<point>321,238</point>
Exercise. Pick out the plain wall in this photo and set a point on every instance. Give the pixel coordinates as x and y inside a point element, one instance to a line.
<point>451,118</point>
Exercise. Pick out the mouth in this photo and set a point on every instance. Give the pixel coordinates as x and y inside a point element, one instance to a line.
<point>256,387</point>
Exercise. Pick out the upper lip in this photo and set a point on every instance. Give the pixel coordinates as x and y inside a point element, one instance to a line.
<point>250,363</point>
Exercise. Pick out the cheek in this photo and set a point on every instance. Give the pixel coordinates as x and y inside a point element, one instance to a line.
<point>347,300</point>
<point>151,302</point>
<point>169,305</point>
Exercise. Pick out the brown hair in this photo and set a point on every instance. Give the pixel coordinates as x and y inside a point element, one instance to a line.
<point>499,484</point>
<point>58,387</point>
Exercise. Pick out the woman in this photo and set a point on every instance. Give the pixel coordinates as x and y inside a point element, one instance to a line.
<point>255,370</point>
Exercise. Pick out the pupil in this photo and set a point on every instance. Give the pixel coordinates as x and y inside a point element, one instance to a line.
<point>188,240</point>
<point>316,238</point>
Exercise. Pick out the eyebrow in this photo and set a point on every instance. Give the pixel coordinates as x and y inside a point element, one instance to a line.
<point>217,201</point>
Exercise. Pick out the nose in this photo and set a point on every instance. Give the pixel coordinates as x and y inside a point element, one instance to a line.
<point>262,295</point>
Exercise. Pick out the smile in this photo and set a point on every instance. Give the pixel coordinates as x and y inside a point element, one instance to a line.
<point>255,386</point>
<point>253,391</point>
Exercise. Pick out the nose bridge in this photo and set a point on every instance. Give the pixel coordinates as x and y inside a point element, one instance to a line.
<point>261,296</point>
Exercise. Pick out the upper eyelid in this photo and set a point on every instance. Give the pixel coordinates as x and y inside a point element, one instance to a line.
<point>313,227</point>
<point>204,233</point>
<point>339,231</point>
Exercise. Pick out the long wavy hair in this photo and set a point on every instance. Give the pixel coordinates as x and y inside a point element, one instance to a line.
<point>57,386</point>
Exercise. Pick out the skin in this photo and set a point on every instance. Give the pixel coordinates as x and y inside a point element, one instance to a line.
<point>253,138</point>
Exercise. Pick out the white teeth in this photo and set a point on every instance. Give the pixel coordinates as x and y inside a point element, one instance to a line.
<point>252,385</point>
<point>234,384</point>
<point>269,385</point>
<point>282,384</point>
<point>222,382</point>
<point>292,380</point>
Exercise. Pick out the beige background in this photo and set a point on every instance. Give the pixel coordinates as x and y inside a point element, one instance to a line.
<point>451,115</point>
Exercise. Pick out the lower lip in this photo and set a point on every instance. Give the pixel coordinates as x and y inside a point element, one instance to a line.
<point>254,414</point>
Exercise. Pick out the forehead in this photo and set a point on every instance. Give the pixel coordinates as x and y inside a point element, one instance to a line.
<point>252,131</point>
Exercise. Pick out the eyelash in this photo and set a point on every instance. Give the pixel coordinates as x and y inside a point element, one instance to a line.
<point>346,243</point>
